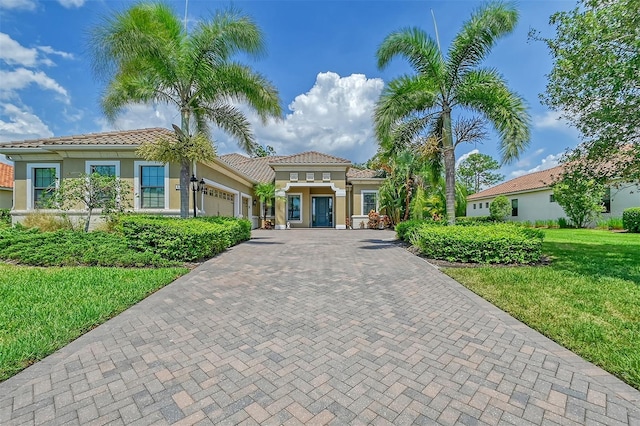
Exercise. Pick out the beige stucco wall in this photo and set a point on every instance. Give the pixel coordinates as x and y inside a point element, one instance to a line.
<point>6,198</point>
<point>357,196</point>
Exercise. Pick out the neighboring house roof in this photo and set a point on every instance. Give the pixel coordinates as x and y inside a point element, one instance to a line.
<point>309,157</point>
<point>121,137</point>
<point>6,176</point>
<point>528,182</point>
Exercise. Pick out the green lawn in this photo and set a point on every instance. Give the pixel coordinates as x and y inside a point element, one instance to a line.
<point>43,309</point>
<point>587,299</point>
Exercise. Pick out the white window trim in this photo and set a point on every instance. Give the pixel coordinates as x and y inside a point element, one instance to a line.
<point>369,191</point>
<point>293,177</point>
<point>299,194</point>
<point>88,164</point>
<point>326,176</point>
<point>30,167</point>
<point>310,176</point>
<point>136,183</point>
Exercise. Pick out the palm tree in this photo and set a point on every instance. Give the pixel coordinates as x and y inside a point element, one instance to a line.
<point>422,104</point>
<point>146,56</point>
<point>266,193</point>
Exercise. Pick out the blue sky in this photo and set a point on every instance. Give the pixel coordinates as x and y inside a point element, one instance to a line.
<point>321,57</point>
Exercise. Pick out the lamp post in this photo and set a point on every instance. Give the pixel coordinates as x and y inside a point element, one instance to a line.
<point>196,187</point>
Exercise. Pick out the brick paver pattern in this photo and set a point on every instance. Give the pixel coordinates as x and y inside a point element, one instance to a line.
<point>315,327</point>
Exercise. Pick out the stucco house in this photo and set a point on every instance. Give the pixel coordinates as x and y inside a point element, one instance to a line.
<point>6,186</point>
<point>313,189</point>
<point>532,198</point>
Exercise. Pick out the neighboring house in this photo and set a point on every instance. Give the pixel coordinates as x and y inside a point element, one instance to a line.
<point>314,189</point>
<point>6,186</point>
<point>532,199</point>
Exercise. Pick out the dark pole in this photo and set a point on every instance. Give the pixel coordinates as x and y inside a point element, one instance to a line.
<point>194,182</point>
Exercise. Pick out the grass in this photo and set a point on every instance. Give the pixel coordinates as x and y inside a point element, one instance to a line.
<point>43,309</point>
<point>587,299</point>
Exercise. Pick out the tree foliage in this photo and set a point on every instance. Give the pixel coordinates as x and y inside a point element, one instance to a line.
<point>146,56</point>
<point>90,192</point>
<point>580,196</point>
<point>595,83</point>
<point>475,172</point>
<point>500,208</point>
<point>419,106</point>
<point>263,151</point>
<point>266,193</point>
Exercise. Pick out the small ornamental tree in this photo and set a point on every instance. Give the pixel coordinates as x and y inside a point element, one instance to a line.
<point>90,192</point>
<point>475,172</point>
<point>266,193</point>
<point>500,208</point>
<point>580,197</point>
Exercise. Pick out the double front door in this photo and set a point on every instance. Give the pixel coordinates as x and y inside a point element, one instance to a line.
<point>321,212</point>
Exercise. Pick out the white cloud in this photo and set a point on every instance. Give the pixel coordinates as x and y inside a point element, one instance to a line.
<point>18,4</point>
<point>51,51</point>
<point>19,124</point>
<point>21,78</point>
<point>141,117</point>
<point>71,3</point>
<point>465,156</point>
<point>334,117</point>
<point>553,120</point>
<point>548,162</point>
<point>12,53</point>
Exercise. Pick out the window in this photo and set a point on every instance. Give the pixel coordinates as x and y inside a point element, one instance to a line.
<point>479,205</point>
<point>552,198</point>
<point>369,201</point>
<point>474,206</point>
<point>606,201</point>
<point>514,207</point>
<point>293,177</point>
<point>294,207</point>
<point>326,176</point>
<point>42,179</point>
<point>152,187</point>
<point>44,182</point>
<point>310,177</point>
<point>103,168</point>
<point>486,205</point>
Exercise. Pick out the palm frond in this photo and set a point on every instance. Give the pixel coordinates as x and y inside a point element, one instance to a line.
<point>415,46</point>
<point>485,92</point>
<point>401,98</point>
<point>477,36</point>
<point>233,122</point>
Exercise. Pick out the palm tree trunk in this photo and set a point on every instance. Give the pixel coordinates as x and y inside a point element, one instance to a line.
<point>449,165</point>
<point>185,167</point>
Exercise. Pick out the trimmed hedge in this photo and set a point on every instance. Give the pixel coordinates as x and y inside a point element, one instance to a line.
<point>498,243</point>
<point>5,217</point>
<point>631,219</point>
<point>405,229</point>
<point>71,248</point>
<point>475,220</point>
<point>184,239</point>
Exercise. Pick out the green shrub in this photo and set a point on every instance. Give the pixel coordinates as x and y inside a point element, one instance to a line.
<point>631,219</point>
<point>405,229</point>
<point>183,239</point>
<point>71,248</point>
<point>500,208</point>
<point>563,223</point>
<point>5,217</point>
<point>497,243</point>
<point>474,220</point>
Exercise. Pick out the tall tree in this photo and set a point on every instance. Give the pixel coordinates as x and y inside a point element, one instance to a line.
<point>423,103</point>
<point>475,172</point>
<point>146,56</point>
<point>595,83</point>
<point>266,193</point>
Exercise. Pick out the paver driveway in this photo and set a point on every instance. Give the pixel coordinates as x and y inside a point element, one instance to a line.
<point>315,327</point>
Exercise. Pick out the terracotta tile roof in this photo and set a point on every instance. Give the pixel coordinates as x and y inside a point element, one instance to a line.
<point>528,182</point>
<point>257,168</point>
<point>121,137</point>
<point>309,157</point>
<point>361,173</point>
<point>6,176</point>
